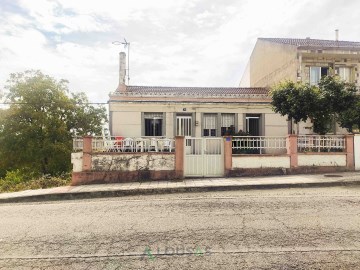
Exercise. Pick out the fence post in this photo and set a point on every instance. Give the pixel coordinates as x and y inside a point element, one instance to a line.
<point>227,155</point>
<point>179,157</point>
<point>357,151</point>
<point>87,151</point>
<point>291,145</point>
<point>349,147</point>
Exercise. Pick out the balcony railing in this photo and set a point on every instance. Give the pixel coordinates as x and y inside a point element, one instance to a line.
<point>258,145</point>
<point>121,144</point>
<point>321,143</point>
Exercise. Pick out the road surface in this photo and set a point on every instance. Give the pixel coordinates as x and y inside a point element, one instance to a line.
<point>317,228</point>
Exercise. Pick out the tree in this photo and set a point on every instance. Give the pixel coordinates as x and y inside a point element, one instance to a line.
<point>322,104</point>
<point>36,130</point>
<point>350,118</point>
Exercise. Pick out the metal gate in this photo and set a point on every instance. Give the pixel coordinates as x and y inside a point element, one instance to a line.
<point>204,157</point>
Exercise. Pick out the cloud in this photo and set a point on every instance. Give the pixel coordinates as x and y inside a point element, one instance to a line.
<point>178,43</point>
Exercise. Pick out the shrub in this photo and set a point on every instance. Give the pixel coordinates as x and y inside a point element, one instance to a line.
<point>15,181</point>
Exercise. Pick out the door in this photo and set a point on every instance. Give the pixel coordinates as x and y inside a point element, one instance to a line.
<point>204,157</point>
<point>253,125</point>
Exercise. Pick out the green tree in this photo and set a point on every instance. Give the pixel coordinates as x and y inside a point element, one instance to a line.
<point>36,130</point>
<point>323,104</point>
<point>350,118</point>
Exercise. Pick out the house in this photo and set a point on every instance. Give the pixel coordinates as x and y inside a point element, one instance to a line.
<point>306,60</point>
<point>138,111</point>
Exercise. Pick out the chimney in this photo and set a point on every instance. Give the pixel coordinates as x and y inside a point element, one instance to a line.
<point>122,72</point>
<point>336,34</point>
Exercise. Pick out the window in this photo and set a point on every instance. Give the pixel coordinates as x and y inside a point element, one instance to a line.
<point>210,124</point>
<point>316,73</point>
<point>344,73</point>
<point>227,124</point>
<point>153,124</point>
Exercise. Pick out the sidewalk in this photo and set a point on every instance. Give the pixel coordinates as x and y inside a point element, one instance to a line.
<point>188,185</point>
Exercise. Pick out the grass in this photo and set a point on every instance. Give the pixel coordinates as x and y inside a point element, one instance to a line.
<point>13,182</point>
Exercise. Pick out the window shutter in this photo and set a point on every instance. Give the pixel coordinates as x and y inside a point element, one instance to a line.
<point>227,120</point>
<point>210,121</point>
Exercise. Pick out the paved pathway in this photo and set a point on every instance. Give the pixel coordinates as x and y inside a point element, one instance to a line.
<point>188,185</point>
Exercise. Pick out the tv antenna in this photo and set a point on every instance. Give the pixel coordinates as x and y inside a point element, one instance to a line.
<point>126,45</point>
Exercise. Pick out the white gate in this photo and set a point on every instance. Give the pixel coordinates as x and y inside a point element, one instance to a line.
<point>204,157</point>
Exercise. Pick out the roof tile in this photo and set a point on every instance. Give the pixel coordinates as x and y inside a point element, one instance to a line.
<point>314,42</point>
<point>197,90</point>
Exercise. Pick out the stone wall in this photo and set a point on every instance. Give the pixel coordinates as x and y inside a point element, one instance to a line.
<point>133,162</point>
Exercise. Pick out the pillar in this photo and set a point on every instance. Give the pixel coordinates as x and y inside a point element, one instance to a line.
<point>87,151</point>
<point>227,155</point>
<point>179,156</point>
<point>349,148</point>
<point>291,144</point>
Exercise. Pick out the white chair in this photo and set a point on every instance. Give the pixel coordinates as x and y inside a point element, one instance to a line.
<point>167,145</point>
<point>153,146</point>
<point>139,145</point>
<point>128,145</point>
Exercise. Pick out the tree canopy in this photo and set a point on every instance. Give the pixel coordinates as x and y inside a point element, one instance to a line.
<point>332,100</point>
<point>36,130</point>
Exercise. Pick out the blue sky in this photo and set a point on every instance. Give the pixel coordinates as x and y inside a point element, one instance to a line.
<point>173,43</point>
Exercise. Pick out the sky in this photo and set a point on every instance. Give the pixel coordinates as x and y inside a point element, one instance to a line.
<point>172,43</point>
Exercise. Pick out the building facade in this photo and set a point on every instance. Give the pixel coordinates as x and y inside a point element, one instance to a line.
<point>306,60</point>
<point>142,111</point>
<point>303,60</point>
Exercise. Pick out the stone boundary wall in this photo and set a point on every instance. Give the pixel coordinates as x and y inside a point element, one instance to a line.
<point>118,167</point>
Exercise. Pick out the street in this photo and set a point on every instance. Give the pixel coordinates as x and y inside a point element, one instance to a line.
<point>317,228</point>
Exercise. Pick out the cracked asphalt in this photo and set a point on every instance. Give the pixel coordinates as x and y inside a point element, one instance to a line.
<point>309,228</point>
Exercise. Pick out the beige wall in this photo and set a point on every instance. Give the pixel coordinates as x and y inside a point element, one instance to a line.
<point>272,62</point>
<point>260,162</point>
<point>126,117</point>
<point>126,122</point>
<point>322,160</point>
<point>275,124</point>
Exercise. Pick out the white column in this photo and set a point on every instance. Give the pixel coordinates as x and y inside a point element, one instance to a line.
<point>357,151</point>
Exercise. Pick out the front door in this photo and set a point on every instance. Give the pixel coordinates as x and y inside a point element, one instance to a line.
<point>183,126</point>
<point>253,124</point>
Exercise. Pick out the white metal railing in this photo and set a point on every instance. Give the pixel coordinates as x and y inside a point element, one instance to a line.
<point>321,143</point>
<point>258,145</point>
<point>128,144</point>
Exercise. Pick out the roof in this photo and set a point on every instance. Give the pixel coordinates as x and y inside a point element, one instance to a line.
<point>213,91</point>
<point>308,42</point>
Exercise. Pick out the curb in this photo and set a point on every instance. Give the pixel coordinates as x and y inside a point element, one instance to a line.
<point>152,191</point>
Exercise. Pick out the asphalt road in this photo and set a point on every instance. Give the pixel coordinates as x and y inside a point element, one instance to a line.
<point>276,229</point>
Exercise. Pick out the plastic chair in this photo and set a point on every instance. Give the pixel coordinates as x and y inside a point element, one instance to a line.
<point>128,145</point>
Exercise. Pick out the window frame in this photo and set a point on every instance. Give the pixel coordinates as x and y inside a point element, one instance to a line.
<point>320,75</point>
<point>210,132</point>
<point>232,130</point>
<point>162,125</point>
